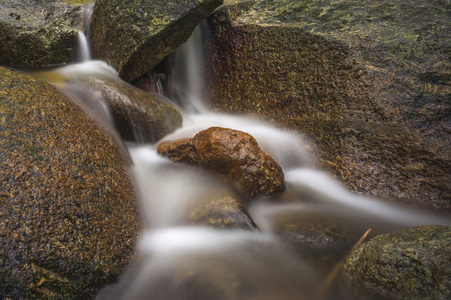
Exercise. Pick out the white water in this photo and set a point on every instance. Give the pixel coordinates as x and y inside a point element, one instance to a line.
<point>176,260</point>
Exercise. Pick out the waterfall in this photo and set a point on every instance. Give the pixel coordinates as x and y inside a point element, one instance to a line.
<point>228,264</point>
<point>83,53</point>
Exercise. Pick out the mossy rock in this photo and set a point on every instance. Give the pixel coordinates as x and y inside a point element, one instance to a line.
<point>38,33</point>
<point>134,36</point>
<point>68,210</point>
<point>364,105</point>
<point>412,263</point>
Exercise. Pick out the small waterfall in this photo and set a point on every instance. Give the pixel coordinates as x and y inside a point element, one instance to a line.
<point>83,50</point>
<point>188,79</point>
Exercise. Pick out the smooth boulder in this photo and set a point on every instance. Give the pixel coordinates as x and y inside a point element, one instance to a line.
<point>412,263</point>
<point>134,36</point>
<point>139,116</point>
<point>68,211</point>
<point>233,153</point>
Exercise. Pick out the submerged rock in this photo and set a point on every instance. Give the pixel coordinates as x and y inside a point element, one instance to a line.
<point>233,153</point>
<point>38,33</point>
<point>68,217</point>
<point>139,116</point>
<point>226,212</point>
<point>413,263</point>
<point>367,82</point>
<point>134,36</point>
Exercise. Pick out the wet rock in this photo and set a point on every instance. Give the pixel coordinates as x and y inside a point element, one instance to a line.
<point>133,37</point>
<point>412,263</point>
<point>139,116</point>
<point>38,33</point>
<point>315,236</point>
<point>233,153</point>
<point>226,212</point>
<point>370,91</point>
<point>68,217</point>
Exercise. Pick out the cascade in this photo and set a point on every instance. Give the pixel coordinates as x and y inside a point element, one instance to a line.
<point>257,261</point>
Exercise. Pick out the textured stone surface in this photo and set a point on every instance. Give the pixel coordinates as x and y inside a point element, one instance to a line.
<point>367,82</point>
<point>412,263</point>
<point>38,33</point>
<point>134,36</point>
<point>68,217</point>
<point>139,116</point>
<point>233,153</point>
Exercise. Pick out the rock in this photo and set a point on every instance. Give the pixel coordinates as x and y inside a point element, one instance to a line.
<point>226,212</point>
<point>134,37</point>
<point>38,33</point>
<point>412,263</point>
<point>315,236</point>
<point>370,91</point>
<point>139,116</point>
<point>68,215</point>
<point>233,153</point>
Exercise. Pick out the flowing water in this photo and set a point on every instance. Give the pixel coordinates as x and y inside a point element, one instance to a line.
<point>176,260</point>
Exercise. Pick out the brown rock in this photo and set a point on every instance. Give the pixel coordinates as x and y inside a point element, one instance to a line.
<point>68,215</point>
<point>233,153</point>
<point>376,105</point>
<point>139,116</point>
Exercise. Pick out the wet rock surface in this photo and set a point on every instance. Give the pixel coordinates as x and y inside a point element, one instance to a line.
<point>134,38</point>
<point>352,77</point>
<point>139,116</point>
<point>68,217</point>
<point>233,153</point>
<point>315,236</point>
<point>225,212</point>
<point>38,33</point>
<point>412,263</point>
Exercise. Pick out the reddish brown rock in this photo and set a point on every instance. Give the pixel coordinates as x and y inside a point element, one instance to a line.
<point>233,153</point>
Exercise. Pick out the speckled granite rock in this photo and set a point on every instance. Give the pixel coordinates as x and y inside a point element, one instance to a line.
<point>68,217</point>
<point>367,82</point>
<point>413,263</point>
<point>39,33</point>
<point>134,36</point>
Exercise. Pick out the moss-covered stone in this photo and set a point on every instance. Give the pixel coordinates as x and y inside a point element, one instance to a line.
<point>134,36</point>
<point>38,33</point>
<point>351,88</point>
<point>68,217</point>
<point>412,263</point>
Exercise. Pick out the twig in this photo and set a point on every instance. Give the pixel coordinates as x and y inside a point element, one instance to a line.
<point>327,283</point>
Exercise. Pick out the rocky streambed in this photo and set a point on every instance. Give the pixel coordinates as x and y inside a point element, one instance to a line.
<point>368,83</point>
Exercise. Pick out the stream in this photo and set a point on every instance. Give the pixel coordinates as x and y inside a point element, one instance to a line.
<point>176,260</point>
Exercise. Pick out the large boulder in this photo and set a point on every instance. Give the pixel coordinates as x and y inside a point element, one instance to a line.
<point>411,263</point>
<point>233,153</point>
<point>38,33</point>
<point>367,82</point>
<point>134,36</point>
<point>68,217</point>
